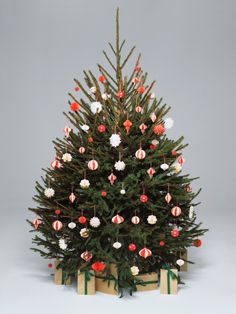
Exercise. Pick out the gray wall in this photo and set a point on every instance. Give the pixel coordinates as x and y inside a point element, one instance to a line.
<point>189,47</point>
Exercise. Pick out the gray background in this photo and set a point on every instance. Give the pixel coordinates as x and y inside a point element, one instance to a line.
<point>189,47</point>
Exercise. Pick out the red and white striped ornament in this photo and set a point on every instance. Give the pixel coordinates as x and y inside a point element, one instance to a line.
<point>67,131</point>
<point>81,150</point>
<point>145,252</point>
<point>151,171</point>
<point>140,154</point>
<point>117,219</point>
<point>135,220</point>
<point>86,256</point>
<point>57,225</point>
<point>93,164</point>
<point>55,164</point>
<point>181,160</point>
<point>112,178</point>
<point>72,197</point>
<point>138,109</point>
<point>142,127</point>
<point>168,198</point>
<point>176,211</point>
<point>153,117</point>
<point>135,80</point>
<point>36,222</point>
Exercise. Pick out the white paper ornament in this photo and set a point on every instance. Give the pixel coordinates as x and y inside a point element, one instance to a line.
<point>153,117</point>
<point>140,154</point>
<point>93,164</point>
<point>49,192</point>
<point>93,89</point>
<point>169,122</point>
<point>112,178</point>
<point>85,127</point>
<point>106,96</point>
<point>152,219</point>
<point>168,198</point>
<point>122,191</point>
<point>96,107</point>
<point>191,212</point>
<point>164,166</point>
<point>67,131</point>
<point>115,140</point>
<point>134,270</point>
<point>119,165</point>
<point>155,142</point>
<point>117,245</point>
<point>151,171</point>
<point>135,220</point>
<point>84,184</point>
<point>180,262</point>
<point>67,157</point>
<point>62,244</point>
<point>72,197</point>
<point>71,225</point>
<point>86,256</point>
<point>81,150</point>
<point>95,222</point>
<point>84,233</point>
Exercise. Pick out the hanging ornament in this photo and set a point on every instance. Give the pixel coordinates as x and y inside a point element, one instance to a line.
<point>174,153</point>
<point>72,197</point>
<point>142,127</point>
<point>57,225</point>
<point>62,244</point>
<point>174,233</point>
<point>115,140</point>
<point>152,219</point>
<point>101,128</point>
<point>57,212</point>
<point>71,225</point>
<point>135,80</point>
<point>180,262</point>
<point>93,164</point>
<point>132,247</point>
<point>119,165</point>
<point>140,154</point>
<point>143,198</point>
<point>104,193</point>
<point>112,178</point>
<point>181,160</point>
<point>152,146</point>
<point>76,88</point>
<point>36,222</point>
<point>188,188</point>
<point>84,184</point>
<point>138,109</point>
<point>106,96</point>
<point>67,131</point>
<point>94,222</point>
<point>137,68</point>
<point>168,122</point>
<point>93,89</point>
<point>135,220</point>
<point>117,219</point>
<point>155,142</point>
<point>127,124</point>
<point>101,79</point>
<point>117,245</point>
<point>145,252</point>
<point>153,117</point>
<point>197,243</point>
<point>191,212</point>
<point>120,94</point>
<point>122,191</point>
<point>177,168</point>
<point>141,89</point>
<point>176,211</point>
<point>84,233</point>
<point>81,150</point>
<point>164,166</point>
<point>50,265</point>
<point>134,270</point>
<point>162,243</point>
<point>152,95</point>
<point>49,192</point>
<point>82,219</point>
<point>151,171</point>
<point>86,256</point>
<point>168,198</point>
<point>74,106</point>
<point>96,107</point>
<point>66,157</point>
<point>85,127</point>
<point>55,164</point>
<point>158,129</point>
<point>98,266</point>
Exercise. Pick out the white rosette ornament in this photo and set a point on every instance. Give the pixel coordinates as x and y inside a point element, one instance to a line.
<point>85,127</point>
<point>120,165</point>
<point>152,219</point>
<point>66,157</point>
<point>168,122</point>
<point>134,270</point>
<point>62,244</point>
<point>96,107</point>
<point>49,192</point>
<point>115,140</point>
<point>84,184</point>
<point>94,222</point>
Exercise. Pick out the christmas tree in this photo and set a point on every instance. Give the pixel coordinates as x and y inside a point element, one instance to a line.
<point>115,192</point>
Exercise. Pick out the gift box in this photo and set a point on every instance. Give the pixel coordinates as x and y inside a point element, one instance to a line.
<point>60,276</point>
<point>149,282</point>
<point>86,282</point>
<point>184,257</point>
<point>107,283</point>
<point>168,281</point>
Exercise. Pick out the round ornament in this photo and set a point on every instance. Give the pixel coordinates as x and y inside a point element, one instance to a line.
<point>101,128</point>
<point>158,129</point>
<point>181,160</point>
<point>74,106</point>
<point>50,265</point>
<point>55,164</point>
<point>66,157</point>
<point>135,220</point>
<point>164,166</point>
<point>122,191</point>
<point>134,270</point>
<point>72,225</point>
<point>176,211</point>
<point>57,225</point>
<point>90,139</point>
<point>180,262</point>
<point>98,266</point>
<point>138,109</point>
<point>115,140</point>
<point>94,222</point>
<point>119,165</point>
<point>82,219</point>
<point>151,171</point>
<point>120,94</point>
<point>85,127</point>
<point>49,192</point>
<point>84,233</point>
<point>84,184</point>
<point>112,178</point>
<point>143,198</point>
<point>174,233</point>
<point>93,89</point>
<point>117,245</point>
<point>197,243</point>
<point>141,89</point>
<point>162,243</point>
<point>132,247</point>
<point>168,122</point>
<point>117,219</point>
<point>57,212</point>
<point>76,88</point>
<point>36,222</point>
<point>96,107</point>
<point>93,164</point>
<point>86,256</point>
<point>168,198</point>
<point>104,193</point>
<point>145,252</point>
<point>152,219</point>
<point>140,154</point>
<point>72,197</point>
<point>101,79</point>
<point>173,153</point>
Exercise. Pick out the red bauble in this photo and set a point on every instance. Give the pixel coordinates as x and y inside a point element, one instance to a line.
<point>101,128</point>
<point>82,219</point>
<point>76,88</point>
<point>173,153</point>
<point>57,211</point>
<point>152,146</point>
<point>57,225</point>
<point>101,78</point>
<point>174,233</point>
<point>137,68</point>
<point>90,139</point>
<point>50,265</point>
<point>104,193</point>
<point>143,198</point>
<point>176,211</point>
<point>145,252</point>
<point>161,243</point>
<point>98,266</point>
<point>158,129</point>
<point>197,243</point>
<point>74,106</point>
<point>141,89</point>
<point>132,247</point>
<point>120,94</point>
<point>117,219</point>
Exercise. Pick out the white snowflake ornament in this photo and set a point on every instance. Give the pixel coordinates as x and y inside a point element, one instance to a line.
<point>115,140</point>
<point>152,219</point>
<point>49,192</point>
<point>95,222</point>
<point>67,157</point>
<point>84,184</point>
<point>134,270</point>
<point>120,165</point>
<point>96,107</point>
<point>169,122</point>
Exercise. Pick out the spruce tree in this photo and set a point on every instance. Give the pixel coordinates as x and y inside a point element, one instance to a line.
<point>115,192</point>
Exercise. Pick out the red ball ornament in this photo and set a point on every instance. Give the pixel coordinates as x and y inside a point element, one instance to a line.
<point>101,128</point>
<point>57,225</point>
<point>132,247</point>
<point>174,233</point>
<point>161,243</point>
<point>98,266</point>
<point>74,106</point>
<point>76,88</point>
<point>57,211</point>
<point>50,265</point>
<point>101,78</point>
<point>137,68</point>
<point>141,89</point>
<point>173,153</point>
<point>152,146</point>
<point>90,139</point>
<point>158,129</point>
<point>143,198</point>
<point>120,94</point>
<point>104,193</point>
<point>82,219</point>
<point>197,243</point>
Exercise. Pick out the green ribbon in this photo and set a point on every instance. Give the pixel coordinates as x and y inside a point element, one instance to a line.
<point>63,277</point>
<point>109,279</point>
<point>144,283</point>
<point>170,275</point>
